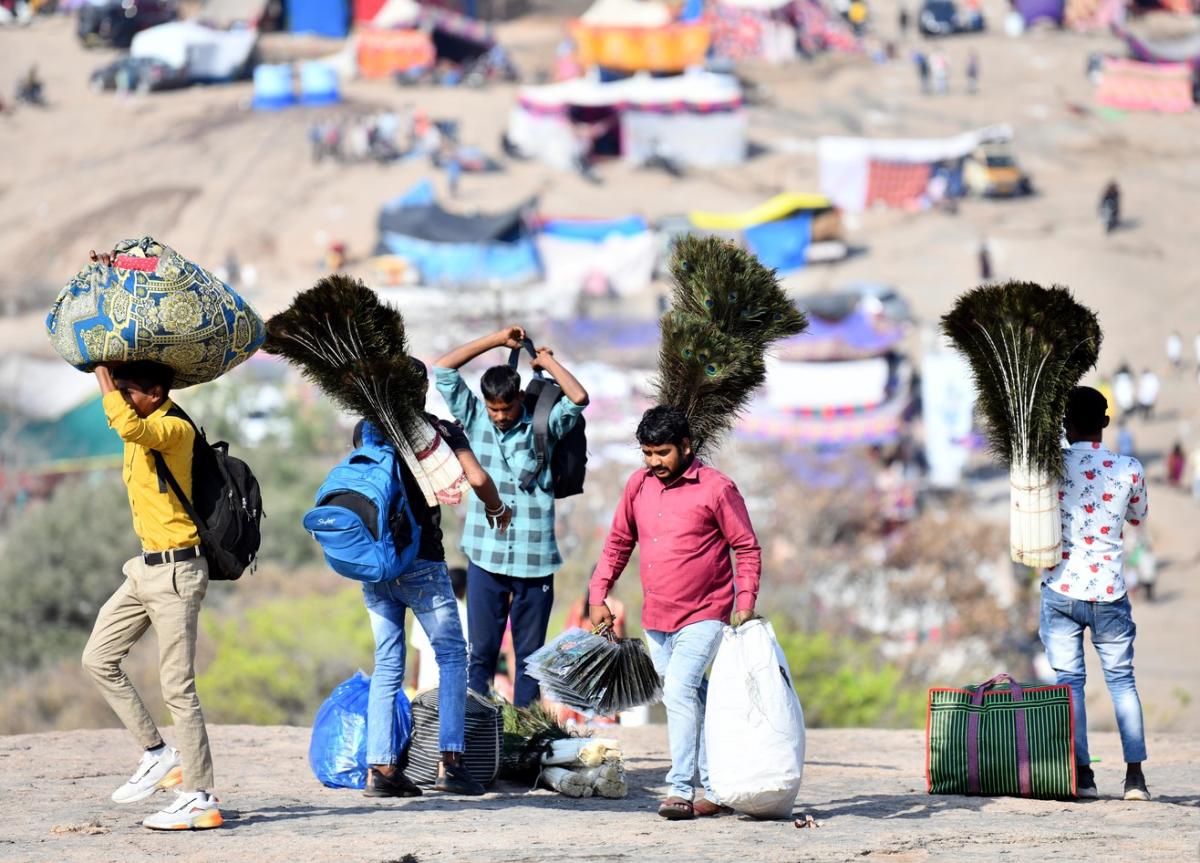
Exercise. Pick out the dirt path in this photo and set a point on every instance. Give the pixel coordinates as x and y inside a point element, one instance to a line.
<point>865,789</point>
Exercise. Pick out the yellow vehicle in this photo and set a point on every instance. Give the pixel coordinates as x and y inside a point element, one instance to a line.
<point>991,171</point>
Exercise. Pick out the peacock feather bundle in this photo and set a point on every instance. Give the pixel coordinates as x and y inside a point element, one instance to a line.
<point>1028,347</point>
<point>528,733</point>
<point>354,348</point>
<point>726,311</point>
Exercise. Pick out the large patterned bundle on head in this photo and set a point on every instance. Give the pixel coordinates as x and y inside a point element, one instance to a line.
<point>151,303</point>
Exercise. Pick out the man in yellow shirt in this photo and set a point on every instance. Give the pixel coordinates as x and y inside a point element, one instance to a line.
<point>163,588</point>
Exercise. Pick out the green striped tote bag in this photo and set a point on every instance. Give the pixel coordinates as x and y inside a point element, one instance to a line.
<point>993,739</point>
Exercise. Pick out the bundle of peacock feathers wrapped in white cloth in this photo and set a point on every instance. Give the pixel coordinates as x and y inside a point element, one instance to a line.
<point>1028,347</point>
<point>354,348</point>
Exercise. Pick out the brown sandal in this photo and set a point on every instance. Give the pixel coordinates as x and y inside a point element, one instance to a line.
<point>705,808</point>
<point>676,809</point>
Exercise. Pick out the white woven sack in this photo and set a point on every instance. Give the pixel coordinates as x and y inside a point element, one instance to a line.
<point>753,724</point>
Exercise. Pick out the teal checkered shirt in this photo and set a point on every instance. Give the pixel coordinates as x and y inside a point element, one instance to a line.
<point>528,548</point>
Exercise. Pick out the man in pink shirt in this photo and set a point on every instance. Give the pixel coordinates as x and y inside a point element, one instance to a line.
<point>687,517</point>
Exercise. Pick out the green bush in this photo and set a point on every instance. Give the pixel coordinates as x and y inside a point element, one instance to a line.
<point>276,662</point>
<point>842,683</point>
<point>60,560</point>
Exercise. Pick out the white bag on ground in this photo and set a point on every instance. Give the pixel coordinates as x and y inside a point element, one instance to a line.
<point>753,724</point>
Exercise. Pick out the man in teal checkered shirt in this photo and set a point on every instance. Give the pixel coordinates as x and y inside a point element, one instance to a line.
<point>510,575</point>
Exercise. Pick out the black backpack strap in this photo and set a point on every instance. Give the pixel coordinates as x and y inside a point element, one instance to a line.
<point>547,399</point>
<point>164,473</point>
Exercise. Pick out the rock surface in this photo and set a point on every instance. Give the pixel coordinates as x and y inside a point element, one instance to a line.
<point>864,791</point>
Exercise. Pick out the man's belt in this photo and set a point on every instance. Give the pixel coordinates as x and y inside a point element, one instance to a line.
<point>174,555</point>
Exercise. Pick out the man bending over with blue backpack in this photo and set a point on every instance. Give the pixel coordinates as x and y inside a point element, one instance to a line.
<point>510,576</point>
<point>375,485</point>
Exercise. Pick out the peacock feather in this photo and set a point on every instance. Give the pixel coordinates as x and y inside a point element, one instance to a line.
<point>726,310</point>
<point>1028,347</point>
<point>354,348</point>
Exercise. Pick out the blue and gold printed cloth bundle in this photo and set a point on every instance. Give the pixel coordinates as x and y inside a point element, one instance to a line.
<point>153,304</point>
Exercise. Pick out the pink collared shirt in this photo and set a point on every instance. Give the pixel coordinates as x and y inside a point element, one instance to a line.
<point>686,531</point>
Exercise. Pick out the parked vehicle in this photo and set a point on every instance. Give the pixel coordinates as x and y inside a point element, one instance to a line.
<point>991,171</point>
<point>115,22</point>
<point>143,74</point>
<point>944,18</point>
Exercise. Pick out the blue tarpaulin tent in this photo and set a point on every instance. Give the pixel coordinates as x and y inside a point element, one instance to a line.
<point>319,17</point>
<point>447,248</point>
<point>782,244</point>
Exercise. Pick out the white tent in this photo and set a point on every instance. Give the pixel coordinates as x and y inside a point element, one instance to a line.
<point>627,13</point>
<point>844,163</point>
<point>206,54</point>
<point>695,119</point>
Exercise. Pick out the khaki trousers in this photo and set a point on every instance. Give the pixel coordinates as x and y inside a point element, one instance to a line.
<point>167,597</point>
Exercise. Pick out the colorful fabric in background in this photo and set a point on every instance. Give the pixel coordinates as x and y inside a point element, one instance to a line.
<point>154,304</point>
<point>633,49</point>
<point>382,53</point>
<point>1093,14</point>
<point>896,184</point>
<point>1134,86</point>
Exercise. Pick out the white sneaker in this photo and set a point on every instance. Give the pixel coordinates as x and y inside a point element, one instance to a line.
<point>192,810</point>
<point>153,772</point>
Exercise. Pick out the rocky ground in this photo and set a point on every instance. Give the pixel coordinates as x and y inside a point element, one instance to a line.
<point>864,790</point>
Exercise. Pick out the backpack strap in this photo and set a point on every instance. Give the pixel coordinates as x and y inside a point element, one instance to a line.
<point>165,475</point>
<point>547,397</point>
<point>546,400</point>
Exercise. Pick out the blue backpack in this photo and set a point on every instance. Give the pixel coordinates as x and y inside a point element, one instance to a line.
<point>362,519</point>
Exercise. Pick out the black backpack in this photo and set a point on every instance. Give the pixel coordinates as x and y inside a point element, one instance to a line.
<point>568,460</point>
<point>226,504</point>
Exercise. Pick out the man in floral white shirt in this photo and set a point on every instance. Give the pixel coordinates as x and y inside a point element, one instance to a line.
<point>1100,492</point>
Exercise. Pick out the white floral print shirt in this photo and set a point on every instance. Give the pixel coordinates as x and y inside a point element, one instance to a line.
<point>1100,492</point>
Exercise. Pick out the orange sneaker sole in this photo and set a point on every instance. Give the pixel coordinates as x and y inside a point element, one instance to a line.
<point>208,820</point>
<point>175,777</point>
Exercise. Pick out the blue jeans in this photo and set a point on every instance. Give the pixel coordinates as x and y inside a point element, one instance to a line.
<point>426,590</point>
<point>682,659</point>
<point>1063,621</point>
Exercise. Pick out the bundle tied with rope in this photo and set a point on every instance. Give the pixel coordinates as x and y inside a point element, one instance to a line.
<point>726,311</point>
<point>1028,347</point>
<point>355,349</point>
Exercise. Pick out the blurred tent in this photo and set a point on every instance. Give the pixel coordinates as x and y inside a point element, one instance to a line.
<point>1086,15</point>
<point>598,256</point>
<point>455,250</point>
<point>1033,11</point>
<point>786,232</point>
<point>51,419</point>
<point>318,17</point>
<point>1146,50</point>
<point>206,54</point>
<point>403,36</point>
<point>638,36</point>
<point>230,13</point>
<point>1132,85</point>
<point>841,382</point>
<point>695,119</point>
<point>754,30</point>
<point>860,173</point>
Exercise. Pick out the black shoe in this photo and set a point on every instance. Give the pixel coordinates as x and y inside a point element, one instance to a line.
<point>396,785</point>
<point>1135,788</point>
<point>1085,783</point>
<point>456,780</point>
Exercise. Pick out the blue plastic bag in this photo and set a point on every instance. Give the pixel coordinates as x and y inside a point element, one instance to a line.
<point>337,752</point>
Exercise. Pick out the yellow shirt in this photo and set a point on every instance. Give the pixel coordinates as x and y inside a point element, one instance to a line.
<point>159,519</point>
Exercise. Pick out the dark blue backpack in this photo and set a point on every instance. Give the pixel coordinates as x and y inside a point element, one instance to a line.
<point>362,518</point>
